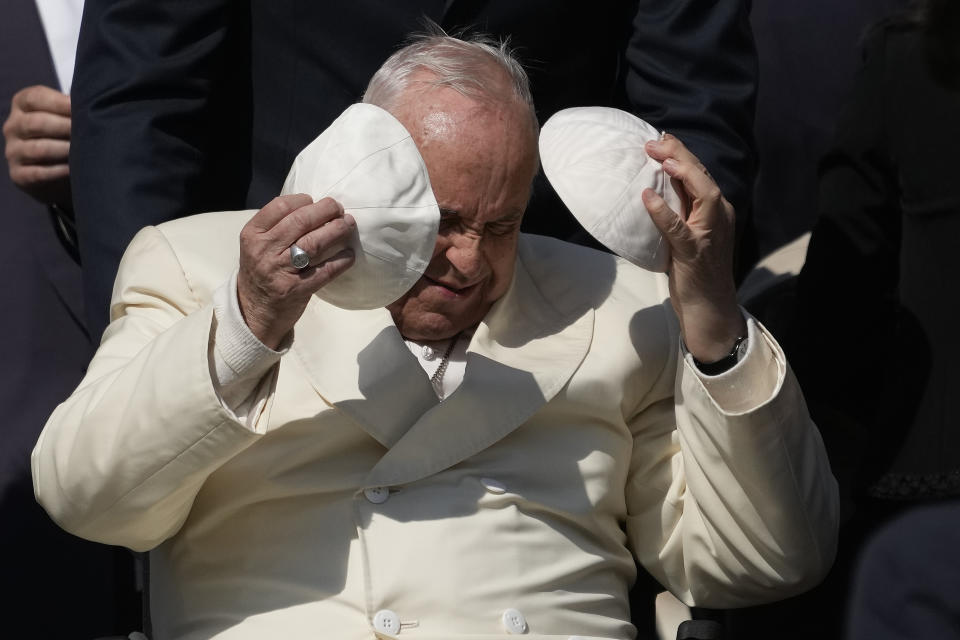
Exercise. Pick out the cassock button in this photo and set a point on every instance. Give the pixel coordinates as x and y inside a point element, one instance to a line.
<point>493,486</point>
<point>514,622</point>
<point>376,495</point>
<point>429,353</point>
<point>386,621</point>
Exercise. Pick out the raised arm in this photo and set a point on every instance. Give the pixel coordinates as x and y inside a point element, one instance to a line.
<point>751,507</point>
<point>122,459</point>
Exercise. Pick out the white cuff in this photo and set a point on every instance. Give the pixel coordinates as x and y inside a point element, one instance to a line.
<point>240,360</point>
<point>751,382</point>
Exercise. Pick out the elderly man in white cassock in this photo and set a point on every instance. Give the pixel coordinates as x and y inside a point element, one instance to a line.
<point>385,412</point>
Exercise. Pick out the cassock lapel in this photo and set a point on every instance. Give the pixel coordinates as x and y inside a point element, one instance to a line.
<point>358,362</point>
<point>520,357</point>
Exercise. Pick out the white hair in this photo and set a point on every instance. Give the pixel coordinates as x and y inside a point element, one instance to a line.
<point>477,67</point>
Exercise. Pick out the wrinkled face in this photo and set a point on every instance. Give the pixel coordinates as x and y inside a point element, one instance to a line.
<point>481,159</point>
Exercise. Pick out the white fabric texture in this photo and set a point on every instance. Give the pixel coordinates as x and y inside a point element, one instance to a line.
<point>595,160</point>
<point>367,161</point>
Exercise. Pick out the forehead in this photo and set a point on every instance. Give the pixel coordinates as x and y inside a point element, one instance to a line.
<point>440,115</point>
<point>472,148</point>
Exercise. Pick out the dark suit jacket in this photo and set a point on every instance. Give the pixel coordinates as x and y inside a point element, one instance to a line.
<point>804,83</point>
<point>884,259</point>
<point>195,106</point>
<point>882,264</point>
<point>56,585</point>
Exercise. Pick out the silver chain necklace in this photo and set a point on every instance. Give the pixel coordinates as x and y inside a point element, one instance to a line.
<point>437,378</point>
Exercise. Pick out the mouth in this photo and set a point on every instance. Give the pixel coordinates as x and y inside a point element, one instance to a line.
<point>449,289</point>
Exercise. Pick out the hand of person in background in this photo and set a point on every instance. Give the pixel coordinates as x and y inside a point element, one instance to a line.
<point>37,135</point>
<point>272,292</point>
<point>701,238</point>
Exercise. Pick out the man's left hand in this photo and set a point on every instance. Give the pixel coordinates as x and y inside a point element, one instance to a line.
<point>701,239</point>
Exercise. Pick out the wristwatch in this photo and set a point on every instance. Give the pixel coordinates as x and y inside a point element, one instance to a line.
<point>726,362</point>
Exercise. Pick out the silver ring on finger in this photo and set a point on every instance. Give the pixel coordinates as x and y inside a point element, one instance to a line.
<point>298,257</point>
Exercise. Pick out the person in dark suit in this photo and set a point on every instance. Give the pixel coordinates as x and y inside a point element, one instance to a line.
<point>883,260</point>
<point>56,585</point>
<point>189,107</point>
<point>884,255</point>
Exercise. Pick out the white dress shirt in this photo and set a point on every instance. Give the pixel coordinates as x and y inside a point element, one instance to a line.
<point>61,24</point>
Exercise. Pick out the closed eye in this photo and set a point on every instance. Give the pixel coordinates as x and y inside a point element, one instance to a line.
<point>450,219</point>
<point>503,228</point>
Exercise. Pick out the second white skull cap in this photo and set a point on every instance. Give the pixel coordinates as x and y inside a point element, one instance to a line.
<point>594,158</point>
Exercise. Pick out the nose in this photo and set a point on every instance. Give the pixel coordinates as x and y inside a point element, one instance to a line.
<point>465,255</point>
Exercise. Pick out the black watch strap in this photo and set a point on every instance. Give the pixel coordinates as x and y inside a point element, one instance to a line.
<point>725,363</point>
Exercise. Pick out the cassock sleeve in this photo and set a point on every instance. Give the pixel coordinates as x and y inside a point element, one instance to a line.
<point>731,500</point>
<point>121,460</point>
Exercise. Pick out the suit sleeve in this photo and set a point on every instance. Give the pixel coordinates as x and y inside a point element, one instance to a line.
<point>692,71</point>
<point>121,460</point>
<point>160,124</point>
<point>731,500</point>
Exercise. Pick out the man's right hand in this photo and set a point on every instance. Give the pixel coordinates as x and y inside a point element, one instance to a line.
<point>37,136</point>
<point>271,291</point>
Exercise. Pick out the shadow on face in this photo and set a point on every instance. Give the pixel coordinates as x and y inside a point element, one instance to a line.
<point>481,155</point>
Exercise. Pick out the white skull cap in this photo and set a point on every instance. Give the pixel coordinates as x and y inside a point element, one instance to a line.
<point>368,162</point>
<point>595,160</point>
